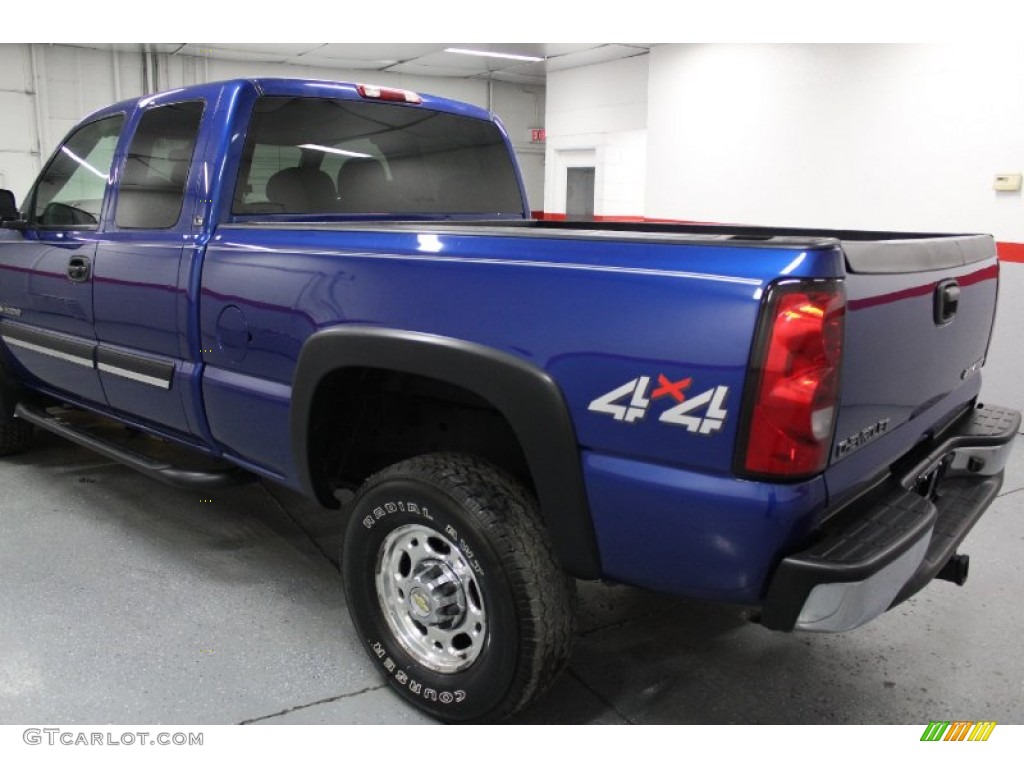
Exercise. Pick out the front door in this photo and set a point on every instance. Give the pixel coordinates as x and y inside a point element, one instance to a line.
<point>46,270</point>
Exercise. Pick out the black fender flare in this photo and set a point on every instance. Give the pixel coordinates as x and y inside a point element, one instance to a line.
<point>527,397</point>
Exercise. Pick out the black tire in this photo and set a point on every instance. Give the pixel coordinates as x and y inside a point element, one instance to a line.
<point>15,437</point>
<point>510,635</point>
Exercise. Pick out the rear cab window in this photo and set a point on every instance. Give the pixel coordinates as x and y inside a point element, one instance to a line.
<point>152,188</point>
<point>335,156</point>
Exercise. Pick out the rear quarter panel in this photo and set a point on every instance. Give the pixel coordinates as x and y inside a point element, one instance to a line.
<point>593,314</point>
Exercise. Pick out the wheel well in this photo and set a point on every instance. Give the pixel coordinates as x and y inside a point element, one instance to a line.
<point>364,419</point>
<point>404,393</point>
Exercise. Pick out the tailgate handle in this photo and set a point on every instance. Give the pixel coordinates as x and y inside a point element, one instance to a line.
<point>947,299</point>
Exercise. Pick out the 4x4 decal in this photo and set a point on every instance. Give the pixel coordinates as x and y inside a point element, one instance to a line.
<point>630,403</point>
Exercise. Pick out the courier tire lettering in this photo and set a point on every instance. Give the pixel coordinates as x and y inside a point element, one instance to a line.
<point>525,395</point>
<point>454,588</point>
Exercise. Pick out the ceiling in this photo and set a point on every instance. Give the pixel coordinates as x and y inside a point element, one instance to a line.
<point>428,59</point>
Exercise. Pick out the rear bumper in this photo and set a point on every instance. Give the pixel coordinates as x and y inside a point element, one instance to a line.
<point>887,545</point>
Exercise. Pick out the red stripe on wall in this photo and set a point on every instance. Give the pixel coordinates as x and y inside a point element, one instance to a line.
<point>1008,252</point>
<point>1011,252</point>
<point>636,219</point>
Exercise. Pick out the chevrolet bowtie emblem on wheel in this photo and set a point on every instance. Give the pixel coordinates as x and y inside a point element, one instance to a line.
<point>420,603</point>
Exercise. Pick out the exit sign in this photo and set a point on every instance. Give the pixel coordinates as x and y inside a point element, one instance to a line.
<point>537,135</point>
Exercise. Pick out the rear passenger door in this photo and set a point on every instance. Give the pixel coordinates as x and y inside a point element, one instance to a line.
<point>143,295</point>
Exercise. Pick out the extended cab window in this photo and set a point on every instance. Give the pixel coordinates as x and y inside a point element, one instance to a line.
<point>70,190</point>
<point>307,155</point>
<point>152,188</point>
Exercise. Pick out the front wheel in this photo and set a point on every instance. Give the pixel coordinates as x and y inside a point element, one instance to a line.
<point>15,436</point>
<point>454,589</point>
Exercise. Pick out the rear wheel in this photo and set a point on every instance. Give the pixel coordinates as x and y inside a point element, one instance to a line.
<point>15,437</point>
<point>454,589</point>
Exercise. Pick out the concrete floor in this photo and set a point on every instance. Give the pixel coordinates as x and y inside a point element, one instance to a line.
<point>124,601</point>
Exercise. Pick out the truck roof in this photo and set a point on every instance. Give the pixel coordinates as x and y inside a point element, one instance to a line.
<point>283,86</point>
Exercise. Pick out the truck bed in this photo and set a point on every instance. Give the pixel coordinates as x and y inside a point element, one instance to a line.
<point>555,294</point>
<point>615,230</point>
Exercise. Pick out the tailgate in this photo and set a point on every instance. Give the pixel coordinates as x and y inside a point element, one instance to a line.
<point>919,316</point>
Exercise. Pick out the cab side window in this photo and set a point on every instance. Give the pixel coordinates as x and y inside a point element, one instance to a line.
<point>152,188</point>
<point>70,191</point>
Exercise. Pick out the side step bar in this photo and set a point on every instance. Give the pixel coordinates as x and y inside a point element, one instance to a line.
<point>194,479</point>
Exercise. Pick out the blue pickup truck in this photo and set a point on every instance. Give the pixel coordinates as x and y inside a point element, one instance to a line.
<point>338,288</point>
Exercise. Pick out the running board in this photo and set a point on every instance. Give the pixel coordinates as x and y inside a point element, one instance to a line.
<point>165,472</point>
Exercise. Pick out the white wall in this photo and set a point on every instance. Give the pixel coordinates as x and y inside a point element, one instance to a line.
<point>17,127</point>
<point>44,91</point>
<point>598,116</point>
<point>868,136</point>
<point>74,81</point>
<point>862,136</point>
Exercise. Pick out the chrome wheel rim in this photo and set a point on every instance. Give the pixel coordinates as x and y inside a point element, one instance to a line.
<point>431,598</point>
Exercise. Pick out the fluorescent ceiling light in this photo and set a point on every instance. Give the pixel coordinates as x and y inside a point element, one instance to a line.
<point>515,56</point>
<point>333,151</point>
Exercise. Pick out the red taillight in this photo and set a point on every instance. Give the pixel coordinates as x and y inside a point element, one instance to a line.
<point>796,370</point>
<point>388,94</point>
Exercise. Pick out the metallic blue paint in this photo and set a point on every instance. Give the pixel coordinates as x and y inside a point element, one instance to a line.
<point>34,280</point>
<point>592,313</point>
<point>231,306</point>
<point>693,533</point>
